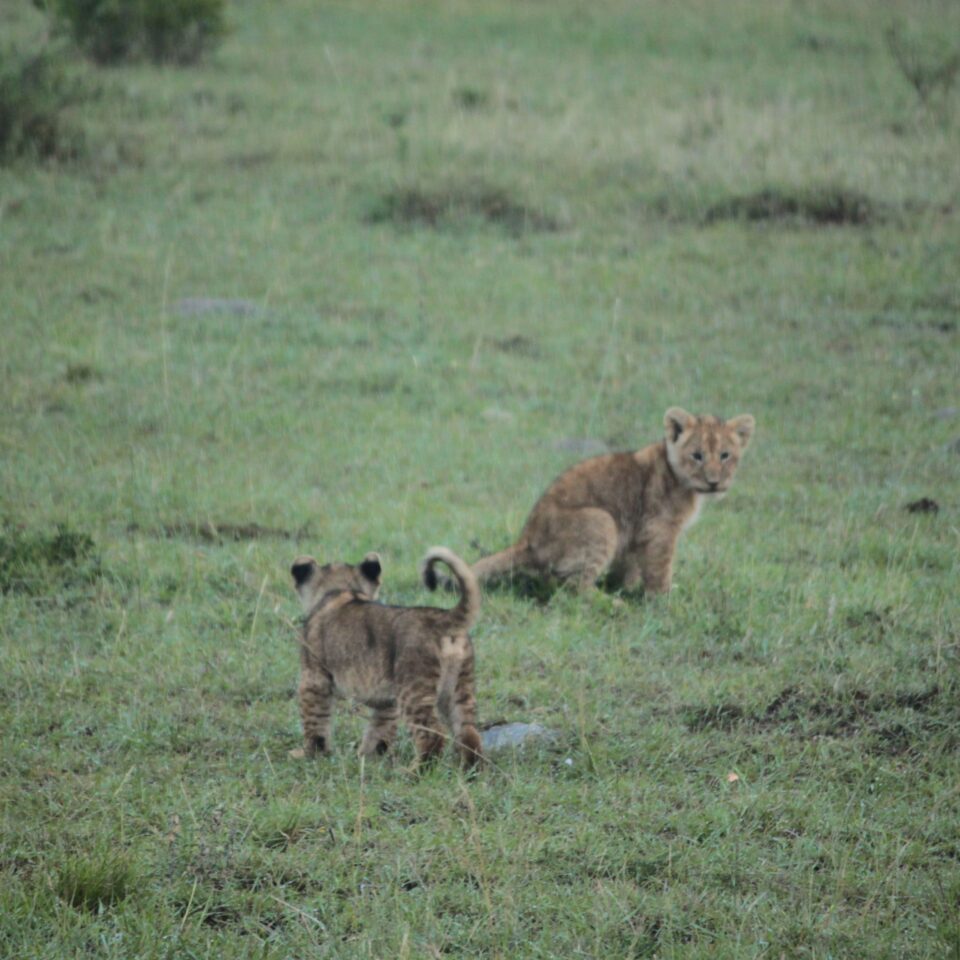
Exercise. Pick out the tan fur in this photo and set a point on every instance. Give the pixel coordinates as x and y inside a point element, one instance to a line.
<point>622,513</point>
<point>404,662</point>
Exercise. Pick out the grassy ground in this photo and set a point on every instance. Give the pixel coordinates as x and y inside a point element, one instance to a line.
<point>466,239</point>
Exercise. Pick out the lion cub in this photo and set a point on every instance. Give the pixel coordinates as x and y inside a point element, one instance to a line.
<point>622,513</point>
<point>409,661</point>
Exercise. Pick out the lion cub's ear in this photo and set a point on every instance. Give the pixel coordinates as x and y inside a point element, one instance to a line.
<point>675,421</point>
<point>742,426</point>
<point>371,568</point>
<point>302,570</point>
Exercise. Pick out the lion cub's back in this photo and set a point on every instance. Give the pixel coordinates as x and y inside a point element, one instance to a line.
<point>607,481</point>
<point>357,647</point>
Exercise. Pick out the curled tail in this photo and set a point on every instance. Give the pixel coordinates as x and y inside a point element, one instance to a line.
<point>499,564</point>
<point>468,608</point>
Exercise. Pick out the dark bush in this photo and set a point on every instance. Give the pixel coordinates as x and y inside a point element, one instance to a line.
<point>164,31</point>
<point>35,92</point>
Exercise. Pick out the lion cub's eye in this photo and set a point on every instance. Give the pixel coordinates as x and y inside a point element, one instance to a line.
<point>725,455</point>
<point>698,456</point>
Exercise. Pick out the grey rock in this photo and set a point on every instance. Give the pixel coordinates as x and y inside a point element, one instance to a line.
<point>516,735</point>
<point>195,306</point>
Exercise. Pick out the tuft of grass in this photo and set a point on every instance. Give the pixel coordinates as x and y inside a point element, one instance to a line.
<point>95,881</point>
<point>281,824</point>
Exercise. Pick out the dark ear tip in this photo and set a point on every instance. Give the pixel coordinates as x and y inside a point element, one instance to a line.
<point>371,568</point>
<point>430,578</point>
<point>301,571</point>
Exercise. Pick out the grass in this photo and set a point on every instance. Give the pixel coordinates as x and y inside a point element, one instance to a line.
<point>762,764</point>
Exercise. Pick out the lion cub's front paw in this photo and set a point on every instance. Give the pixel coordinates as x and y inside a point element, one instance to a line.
<point>297,754</point>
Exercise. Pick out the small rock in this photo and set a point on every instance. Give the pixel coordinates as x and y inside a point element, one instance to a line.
<point>195,306</point>
<point>516,735</point>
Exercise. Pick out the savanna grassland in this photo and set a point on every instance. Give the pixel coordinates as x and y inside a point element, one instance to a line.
<point>366,279</point>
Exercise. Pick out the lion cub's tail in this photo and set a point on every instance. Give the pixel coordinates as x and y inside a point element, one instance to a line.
<point>468,608</point>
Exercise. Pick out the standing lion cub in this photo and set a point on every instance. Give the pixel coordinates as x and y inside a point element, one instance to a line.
<point>622,513</point>
<point>409,661</point>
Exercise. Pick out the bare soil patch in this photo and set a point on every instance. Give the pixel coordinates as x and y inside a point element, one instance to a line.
<point>444,207</point>
<point>826,206</point>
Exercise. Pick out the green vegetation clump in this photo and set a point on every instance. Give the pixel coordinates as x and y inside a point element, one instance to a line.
<point>29,562</point>
<point>94,881</point>
<point>163,31</point>
<point>36,94</point>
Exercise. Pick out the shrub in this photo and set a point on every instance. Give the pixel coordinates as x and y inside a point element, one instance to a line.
<point>164,31</point>
<point>35,92</point>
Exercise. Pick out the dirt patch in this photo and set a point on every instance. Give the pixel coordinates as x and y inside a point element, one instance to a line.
<point>446,207</point>
<point>518,344</point>
<point>825,206</point>
<point>908,319</point>
<point>77,373</point>
<point>210,532</point>
<point>810,714</point>
<point>249,161</point>
<point>470,98</point>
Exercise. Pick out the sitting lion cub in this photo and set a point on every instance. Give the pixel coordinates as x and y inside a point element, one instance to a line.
<point>623,512</point>
<point>409,661</point>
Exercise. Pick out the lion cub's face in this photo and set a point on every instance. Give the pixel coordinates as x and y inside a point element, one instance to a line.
<point>704,451</point>
<point>312,580</point>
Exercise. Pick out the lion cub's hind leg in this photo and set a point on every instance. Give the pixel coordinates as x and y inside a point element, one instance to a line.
<point>456,699</point>
<point>464,724</point>
<point>381,730</point>
<point>418,701</point>
<point>585,546</point>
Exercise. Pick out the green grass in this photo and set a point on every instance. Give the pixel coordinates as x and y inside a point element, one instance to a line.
<point>392,381</point>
